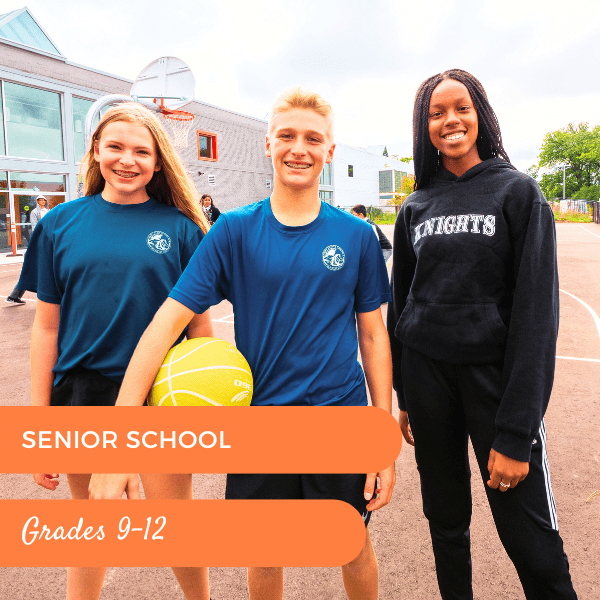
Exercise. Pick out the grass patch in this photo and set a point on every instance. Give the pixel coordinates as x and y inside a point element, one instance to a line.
<point>573,217</point>
<point>385,219</point>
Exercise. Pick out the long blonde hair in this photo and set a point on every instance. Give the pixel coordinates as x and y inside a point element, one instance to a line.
<point>170,185</point>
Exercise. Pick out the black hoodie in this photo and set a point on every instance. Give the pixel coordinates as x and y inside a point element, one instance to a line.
<point>475,281</point>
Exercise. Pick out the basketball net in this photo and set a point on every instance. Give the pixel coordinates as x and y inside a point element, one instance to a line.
<point>180,122</point>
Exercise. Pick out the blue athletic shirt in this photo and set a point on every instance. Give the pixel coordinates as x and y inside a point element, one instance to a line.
<point>294,291</point>
<point>110,267</point>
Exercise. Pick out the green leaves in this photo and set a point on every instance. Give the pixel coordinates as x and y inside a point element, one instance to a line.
<point>577,147</point>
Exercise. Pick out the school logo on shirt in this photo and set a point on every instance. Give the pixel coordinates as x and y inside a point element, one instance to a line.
<point>159,242</point>
<point>333,258</point>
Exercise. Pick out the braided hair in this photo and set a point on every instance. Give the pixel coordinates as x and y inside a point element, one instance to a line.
<point>489,139</point>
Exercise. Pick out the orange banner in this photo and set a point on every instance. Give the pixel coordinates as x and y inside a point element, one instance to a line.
<point>251,439</point>
<point>180,533</point>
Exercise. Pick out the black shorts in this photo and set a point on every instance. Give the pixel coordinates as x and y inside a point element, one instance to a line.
<point>274,486</point>
<point>82,387</point>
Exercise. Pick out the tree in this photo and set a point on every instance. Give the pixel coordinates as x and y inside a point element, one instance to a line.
<point>577,147</point>
<point>406,188</point>
<point>405,159</point>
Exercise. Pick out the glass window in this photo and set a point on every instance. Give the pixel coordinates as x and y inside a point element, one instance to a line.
<point>325,175</point>
<point>326,196</point>
<point>207,146</point>
<point>24,204</point>
<point>25,187</point>
<point>33,122</point>
<point>350,171</point>
<point>81,108</point>
<point>4,222</point>
<point>2,148</point>
<point>37,182</point>
<point>385,181</point>
<point>23,29</point>
<point>398,180</point>
<point>80,111</point>
<point>204,148</point>
<point>4,213</point>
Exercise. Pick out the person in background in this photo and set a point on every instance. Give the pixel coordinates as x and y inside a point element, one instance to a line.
<point>39,211</point>
<point>386,247</point>
<point>15,297</point>
<point>211,212</point>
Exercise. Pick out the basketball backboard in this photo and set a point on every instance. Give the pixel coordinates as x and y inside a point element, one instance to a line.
<point>168,79</point>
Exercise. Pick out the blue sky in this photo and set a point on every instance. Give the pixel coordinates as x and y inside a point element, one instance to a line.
<point>537,62</point>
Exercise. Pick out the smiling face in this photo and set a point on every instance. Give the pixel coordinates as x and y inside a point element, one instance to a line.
<point>207,201</point>
<point>128,159</point>
<point>453,126</point>
<point>300,143</point>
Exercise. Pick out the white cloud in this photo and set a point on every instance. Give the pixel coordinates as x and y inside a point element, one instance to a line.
<point>536,60</point>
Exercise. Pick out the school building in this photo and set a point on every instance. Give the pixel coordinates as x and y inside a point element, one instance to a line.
<point>365,176</point>
<point>44,99</point>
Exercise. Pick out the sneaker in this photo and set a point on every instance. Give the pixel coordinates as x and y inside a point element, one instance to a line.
<point>14,301</point>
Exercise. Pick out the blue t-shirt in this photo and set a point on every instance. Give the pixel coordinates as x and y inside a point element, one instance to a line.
<point>294,291</point>
<point>110,267</point>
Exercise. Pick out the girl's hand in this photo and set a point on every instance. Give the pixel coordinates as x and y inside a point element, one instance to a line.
<point>47,480</point>
<point>505,472</point>
<point>405,427</point>
<point>110,486</point>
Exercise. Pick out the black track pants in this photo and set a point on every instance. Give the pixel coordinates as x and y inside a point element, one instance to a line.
<point>447,404</point>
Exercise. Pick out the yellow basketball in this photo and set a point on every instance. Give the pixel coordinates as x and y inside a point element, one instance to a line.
<point>203,372</point>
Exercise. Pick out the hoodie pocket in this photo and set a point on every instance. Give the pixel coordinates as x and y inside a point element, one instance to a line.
<point>497,327</point>
<point>455,333</point>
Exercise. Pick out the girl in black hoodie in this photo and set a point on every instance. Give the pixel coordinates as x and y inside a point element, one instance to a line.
<point>473,329</point>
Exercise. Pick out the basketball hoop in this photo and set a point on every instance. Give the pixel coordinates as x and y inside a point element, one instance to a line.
<point>180,122</point>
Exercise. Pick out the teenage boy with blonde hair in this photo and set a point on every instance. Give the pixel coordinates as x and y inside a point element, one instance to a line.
<point>301,275</point>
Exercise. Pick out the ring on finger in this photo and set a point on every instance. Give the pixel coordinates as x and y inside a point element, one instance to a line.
<point>504,485</point>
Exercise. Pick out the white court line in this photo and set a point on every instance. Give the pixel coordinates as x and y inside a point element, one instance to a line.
<point>582,227</point>
<point>594,315</point>
<point>584,359</point>
<point>224,319</point>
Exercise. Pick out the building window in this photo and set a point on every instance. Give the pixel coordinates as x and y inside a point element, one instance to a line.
<point>212,180</point>
<point>24,189</point>
<point>398,175</point>
<point>207,146</point>
<point>24,30</point>
<point>325,175</point>
<point>326,196</point>
<point>81,107</point>
<point>350,171</point>
<point>2,146</point>
<point>80,111</point>
<point>386,181</point>
<point>33,122</point>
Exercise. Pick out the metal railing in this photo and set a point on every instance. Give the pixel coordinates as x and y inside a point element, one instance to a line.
<point>580,206</point>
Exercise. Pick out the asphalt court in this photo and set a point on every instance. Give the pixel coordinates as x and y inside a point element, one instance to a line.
<point>399,531</point>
